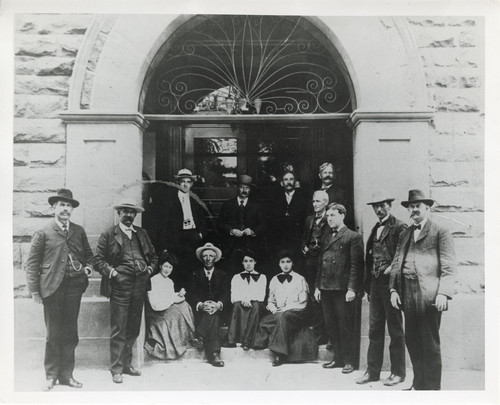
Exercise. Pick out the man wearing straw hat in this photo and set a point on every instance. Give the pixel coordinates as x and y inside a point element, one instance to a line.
<point>126,259</point>
<point>57,272</point>
<point>209,297</point>
<point>380,250</point>
<point>421,283</point>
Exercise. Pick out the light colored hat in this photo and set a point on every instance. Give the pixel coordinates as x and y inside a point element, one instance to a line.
<point>185,174</point>
<point>415,196</point>
<point>209,246</point>
<point>379,197</point>
<point>246,180</point>
<point>129,204</point>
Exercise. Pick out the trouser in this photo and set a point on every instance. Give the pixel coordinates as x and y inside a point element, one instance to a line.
<point>422,322</point>
<point>275,330</point>
<point>381,311</point>
<point>61,311</point>
<point>314,308</point>
<point>126,303</point>
<point>340,325</point>
<point>207,327</point>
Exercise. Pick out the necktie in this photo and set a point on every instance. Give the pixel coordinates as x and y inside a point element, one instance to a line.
<point>242,215</point>
<point>379,224</point>
<point>65,229</point>
<point>334,233</point>
<point>419,226</point>
<point>282,277</point>
<point>246,276</point>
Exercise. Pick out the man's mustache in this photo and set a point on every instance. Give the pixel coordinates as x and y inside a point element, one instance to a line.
<point>414,213</point>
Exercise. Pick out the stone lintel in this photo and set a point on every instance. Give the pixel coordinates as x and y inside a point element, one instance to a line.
<point>92,117</point>
<point>389,116</point>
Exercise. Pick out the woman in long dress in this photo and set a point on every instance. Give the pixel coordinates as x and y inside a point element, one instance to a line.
<point>170,325</point>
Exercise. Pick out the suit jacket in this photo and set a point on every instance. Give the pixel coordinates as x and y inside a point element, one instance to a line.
<point>110,253</point>
<point>341,266</point>
<point>435,263</point>
<point>388,238</point>
<point>229,218</point>
<point>170,218</point>
<point>47,260</point>
<point>217,290</point>
<point>308,227</point>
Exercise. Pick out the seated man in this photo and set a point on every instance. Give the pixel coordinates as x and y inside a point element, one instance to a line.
<point>209,297</point>
<point>287,303</point>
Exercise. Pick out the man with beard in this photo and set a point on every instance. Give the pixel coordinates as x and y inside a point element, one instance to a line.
<point>421,283</point>
<point>380,250</point>
<point>209,297</point>
<point>288,212</point>
<point>241,225</point>
<point>126,259</point>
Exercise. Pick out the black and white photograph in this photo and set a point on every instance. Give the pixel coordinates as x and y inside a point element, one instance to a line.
<point>281,203</point>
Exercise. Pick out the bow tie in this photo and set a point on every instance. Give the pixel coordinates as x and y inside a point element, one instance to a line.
<point>419,226</point>
<point>282,277</point>
<point>379,224</point>
<point>246,276</point>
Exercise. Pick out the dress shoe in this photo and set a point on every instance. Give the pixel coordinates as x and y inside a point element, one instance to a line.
<point>245,347</point>
<point>132,371</point>
<point>49,384</point>
<point>71,382</point>
<point>333,364</point>
<point>329,347</point>
<point>348,368</point>
<point>117,378</point>
<point>367,377</point>
<point>258,347</point>
<point>216,361</point>
<point>197,342</point>
<point>227,344</point>
<point>393,379</point>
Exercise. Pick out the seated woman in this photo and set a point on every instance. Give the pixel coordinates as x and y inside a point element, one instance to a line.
<point>248,290</point>
<point>287,303</point>
<point>170,326</point>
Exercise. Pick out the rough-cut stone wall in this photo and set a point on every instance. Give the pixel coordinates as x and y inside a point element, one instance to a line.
<point>451,50</point>
<point>45,51</point>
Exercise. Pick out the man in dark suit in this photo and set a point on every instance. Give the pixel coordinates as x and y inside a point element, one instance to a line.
<point>421,283</point>
<point>338,281</point>
<point>210,298</point>
<point>241,225</point>
<point>380,250</point>
<point>180,223</point>
<point>288,213</point>
<point>126,259</point>
<point>57,273</point>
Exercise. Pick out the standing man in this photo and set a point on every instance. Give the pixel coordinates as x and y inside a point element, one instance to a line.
<point>338,281</point>
<point>241,225</point>
<point>288,213</point>
<point>181,224</point>
<point>209,297</point>
<point>57,273</point>
<point>421,283</point>
<point>380,250</point>
<point>126,259</point>
<point>314,228</point>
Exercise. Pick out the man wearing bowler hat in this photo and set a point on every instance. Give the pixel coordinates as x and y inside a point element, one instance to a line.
<point>241,224</point>
<point>380,250</point>
<point>57,273</point>
<point>421,283</point>
<point>210,298</point>
<point>126,260</point>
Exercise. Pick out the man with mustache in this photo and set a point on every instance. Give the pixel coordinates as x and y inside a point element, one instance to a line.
<point>421,283</point>
<point>57,272</point>
<point>241,225</point>
<point>126,260</point>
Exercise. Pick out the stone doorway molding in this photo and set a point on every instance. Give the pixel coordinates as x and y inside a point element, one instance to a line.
<point>105,125</point>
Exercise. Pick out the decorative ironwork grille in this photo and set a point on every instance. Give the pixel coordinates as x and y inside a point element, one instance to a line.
<point>248,65</point>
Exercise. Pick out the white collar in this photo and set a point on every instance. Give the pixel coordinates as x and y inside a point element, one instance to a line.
<point>424,221</point>
<point>252,272</point>
<point>60,224</point>
<point>245,200</point>
<point>124,228</point>
<point>384,219</point>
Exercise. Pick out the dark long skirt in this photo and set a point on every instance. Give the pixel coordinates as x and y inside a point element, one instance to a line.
<point>169,332</point>
<point>244,323</point>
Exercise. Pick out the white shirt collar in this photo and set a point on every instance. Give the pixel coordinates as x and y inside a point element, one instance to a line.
<point>385,218</point>
<point>244,201</point>
<point>424,221</point>
<point>59,223</point>
<point>125,228</point>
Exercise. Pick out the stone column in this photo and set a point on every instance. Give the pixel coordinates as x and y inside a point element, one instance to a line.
<point>390,153</point>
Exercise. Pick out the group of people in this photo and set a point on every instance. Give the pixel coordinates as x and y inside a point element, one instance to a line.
<point>193,287</point>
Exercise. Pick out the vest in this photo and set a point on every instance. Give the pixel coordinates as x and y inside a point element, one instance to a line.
<point>381,256</point>
<point>132,260</point>
<point>409,262</point>
<point>315,239</point>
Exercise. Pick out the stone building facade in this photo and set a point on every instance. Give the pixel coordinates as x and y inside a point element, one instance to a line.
<point>419,81</point>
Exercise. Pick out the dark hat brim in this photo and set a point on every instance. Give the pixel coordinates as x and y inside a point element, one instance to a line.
<point>381,201</point>
<point>184,176</point>
<point>56,198</point>
<point>426,201</point>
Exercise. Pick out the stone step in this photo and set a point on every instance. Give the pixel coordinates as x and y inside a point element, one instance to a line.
<point>94,286</point>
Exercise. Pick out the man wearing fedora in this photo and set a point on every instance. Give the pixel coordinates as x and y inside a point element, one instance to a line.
<point>210,299</point>
<point>126,259</point>
<point>422,278</point>
<point>57,272</point>
<point>180,223</point>
<point>380,250</point>
<point>241,225</point>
